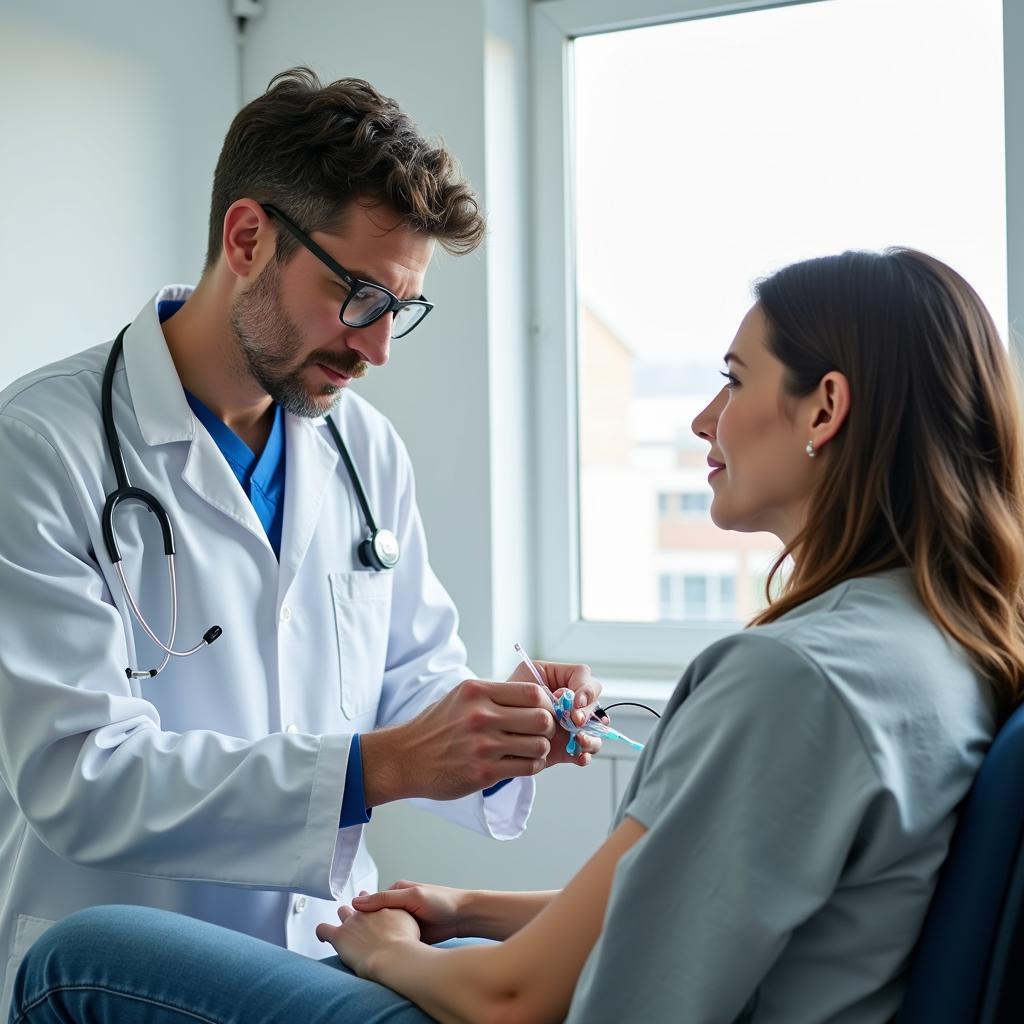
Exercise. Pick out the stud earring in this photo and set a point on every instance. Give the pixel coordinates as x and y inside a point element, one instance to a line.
<point>811,453</point>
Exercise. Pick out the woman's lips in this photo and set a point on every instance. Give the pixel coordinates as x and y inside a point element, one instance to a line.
<point>716,467</point>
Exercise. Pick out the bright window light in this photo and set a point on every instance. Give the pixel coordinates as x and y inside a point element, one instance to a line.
<point>709,153</point>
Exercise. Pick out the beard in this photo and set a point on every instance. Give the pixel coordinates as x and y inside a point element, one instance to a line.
<point>270,345</point>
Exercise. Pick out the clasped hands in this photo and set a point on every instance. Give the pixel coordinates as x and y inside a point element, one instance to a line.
<point>378,924</point>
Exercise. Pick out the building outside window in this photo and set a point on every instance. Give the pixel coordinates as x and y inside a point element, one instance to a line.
<point>691,157</point>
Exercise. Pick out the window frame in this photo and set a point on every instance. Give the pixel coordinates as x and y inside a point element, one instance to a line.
<point>624,648</point>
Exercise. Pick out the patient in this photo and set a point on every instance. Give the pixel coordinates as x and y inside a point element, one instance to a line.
<point>777,848</point>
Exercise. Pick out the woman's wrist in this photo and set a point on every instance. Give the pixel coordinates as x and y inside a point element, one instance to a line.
<point>468,919</point>
<point>379,964</point>
<point>493,914</point>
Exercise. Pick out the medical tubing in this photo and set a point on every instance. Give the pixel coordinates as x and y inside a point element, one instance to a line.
<point>174,615</point>
<point>353,473</point>
<point>592,727</point>
<point>107,408</point>
<point>145,498</point>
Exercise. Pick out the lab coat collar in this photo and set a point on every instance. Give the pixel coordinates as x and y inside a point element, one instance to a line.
<point>310,463</point>
<point>161,409</point>
<point>164,415</point>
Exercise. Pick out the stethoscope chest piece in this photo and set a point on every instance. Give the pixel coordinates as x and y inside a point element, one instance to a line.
<point>380,550</point>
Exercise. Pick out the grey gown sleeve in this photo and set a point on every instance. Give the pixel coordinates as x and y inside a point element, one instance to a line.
<point>752,791</point>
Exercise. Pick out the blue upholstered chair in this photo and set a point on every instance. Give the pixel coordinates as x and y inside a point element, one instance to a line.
<point>968,967</point>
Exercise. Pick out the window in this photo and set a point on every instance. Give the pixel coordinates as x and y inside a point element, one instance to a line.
<point>691,155</point>
<point>692,597</point>
<point>687,505</point>
<point>694,504</point>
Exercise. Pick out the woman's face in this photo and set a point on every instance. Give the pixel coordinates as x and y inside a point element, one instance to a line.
<point>761,474</point>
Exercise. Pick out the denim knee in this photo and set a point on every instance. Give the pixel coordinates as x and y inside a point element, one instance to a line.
<point>54,958</point>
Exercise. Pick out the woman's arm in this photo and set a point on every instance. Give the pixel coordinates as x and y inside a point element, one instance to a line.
<point>446,913</point>
<point>529,978</point>
<point>488,914</point>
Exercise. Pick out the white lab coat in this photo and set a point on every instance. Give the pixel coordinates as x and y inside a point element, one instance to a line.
<point>215,788</point>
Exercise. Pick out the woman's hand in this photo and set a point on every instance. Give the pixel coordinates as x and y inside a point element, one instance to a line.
<point>436,908</point>
<point>360,939</point>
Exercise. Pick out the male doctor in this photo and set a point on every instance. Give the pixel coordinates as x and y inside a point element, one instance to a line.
<point>233,784</point>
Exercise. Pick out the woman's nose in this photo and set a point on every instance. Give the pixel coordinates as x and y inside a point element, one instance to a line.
<point>705,423</point>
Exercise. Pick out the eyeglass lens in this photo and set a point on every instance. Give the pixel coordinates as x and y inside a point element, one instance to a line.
<point>368,303</point>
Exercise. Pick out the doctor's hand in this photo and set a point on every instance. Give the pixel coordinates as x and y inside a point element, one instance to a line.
<point>586,691</point>
<point>475,736</point>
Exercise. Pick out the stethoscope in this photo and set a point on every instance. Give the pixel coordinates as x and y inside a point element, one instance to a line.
<point>379,551</point>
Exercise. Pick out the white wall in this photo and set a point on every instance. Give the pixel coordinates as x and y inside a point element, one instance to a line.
<point>456,388</point>
<point>112,117</point>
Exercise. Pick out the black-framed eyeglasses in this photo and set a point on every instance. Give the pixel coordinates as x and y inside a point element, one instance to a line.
<point>366,301</point>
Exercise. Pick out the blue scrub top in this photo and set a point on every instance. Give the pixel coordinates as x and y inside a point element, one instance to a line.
<point>262,479</point>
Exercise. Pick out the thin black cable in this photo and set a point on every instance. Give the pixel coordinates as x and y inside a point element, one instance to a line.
<point>631,704</point>
<point>353,474</point>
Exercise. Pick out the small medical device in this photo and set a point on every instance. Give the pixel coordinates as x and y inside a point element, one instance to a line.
<point>592,727</point>
<point>562,709</point>
<point>378,552</point>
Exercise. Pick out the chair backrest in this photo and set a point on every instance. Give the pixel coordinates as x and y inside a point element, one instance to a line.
<point>963,966</point>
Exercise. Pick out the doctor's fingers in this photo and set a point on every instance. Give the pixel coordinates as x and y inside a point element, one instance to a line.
<point>559,675</point>
<point>588,744</point>
<point>526,721</point>
<point>515,694</point>
<point>519,767</point>
<point>579,714</point>
<point>530,747</point>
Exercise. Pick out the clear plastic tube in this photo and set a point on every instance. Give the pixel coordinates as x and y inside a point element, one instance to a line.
<point>562,709</point>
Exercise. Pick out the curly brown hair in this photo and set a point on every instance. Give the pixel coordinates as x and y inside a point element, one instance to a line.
<point>312,149</point>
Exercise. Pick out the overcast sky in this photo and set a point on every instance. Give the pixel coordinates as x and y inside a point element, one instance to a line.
<point>711,152</point>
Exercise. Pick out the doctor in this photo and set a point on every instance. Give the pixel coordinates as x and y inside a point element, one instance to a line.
<point>233,784</point>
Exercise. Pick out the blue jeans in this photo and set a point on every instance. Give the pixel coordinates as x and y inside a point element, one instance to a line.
<point>136,964</point>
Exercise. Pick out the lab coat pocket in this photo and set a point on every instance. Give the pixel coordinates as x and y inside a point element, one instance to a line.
<point>362,614</point>
<point>26,932</point>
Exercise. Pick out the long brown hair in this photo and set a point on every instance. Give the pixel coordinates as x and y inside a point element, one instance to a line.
<point>927,470</point>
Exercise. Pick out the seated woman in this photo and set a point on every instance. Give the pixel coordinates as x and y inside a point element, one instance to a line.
<point>777,848</point>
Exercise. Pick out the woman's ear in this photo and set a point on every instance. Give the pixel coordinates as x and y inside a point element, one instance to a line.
<point>829,409</point>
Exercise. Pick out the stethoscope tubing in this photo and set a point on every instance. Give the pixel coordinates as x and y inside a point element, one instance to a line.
<point>124,491</point>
